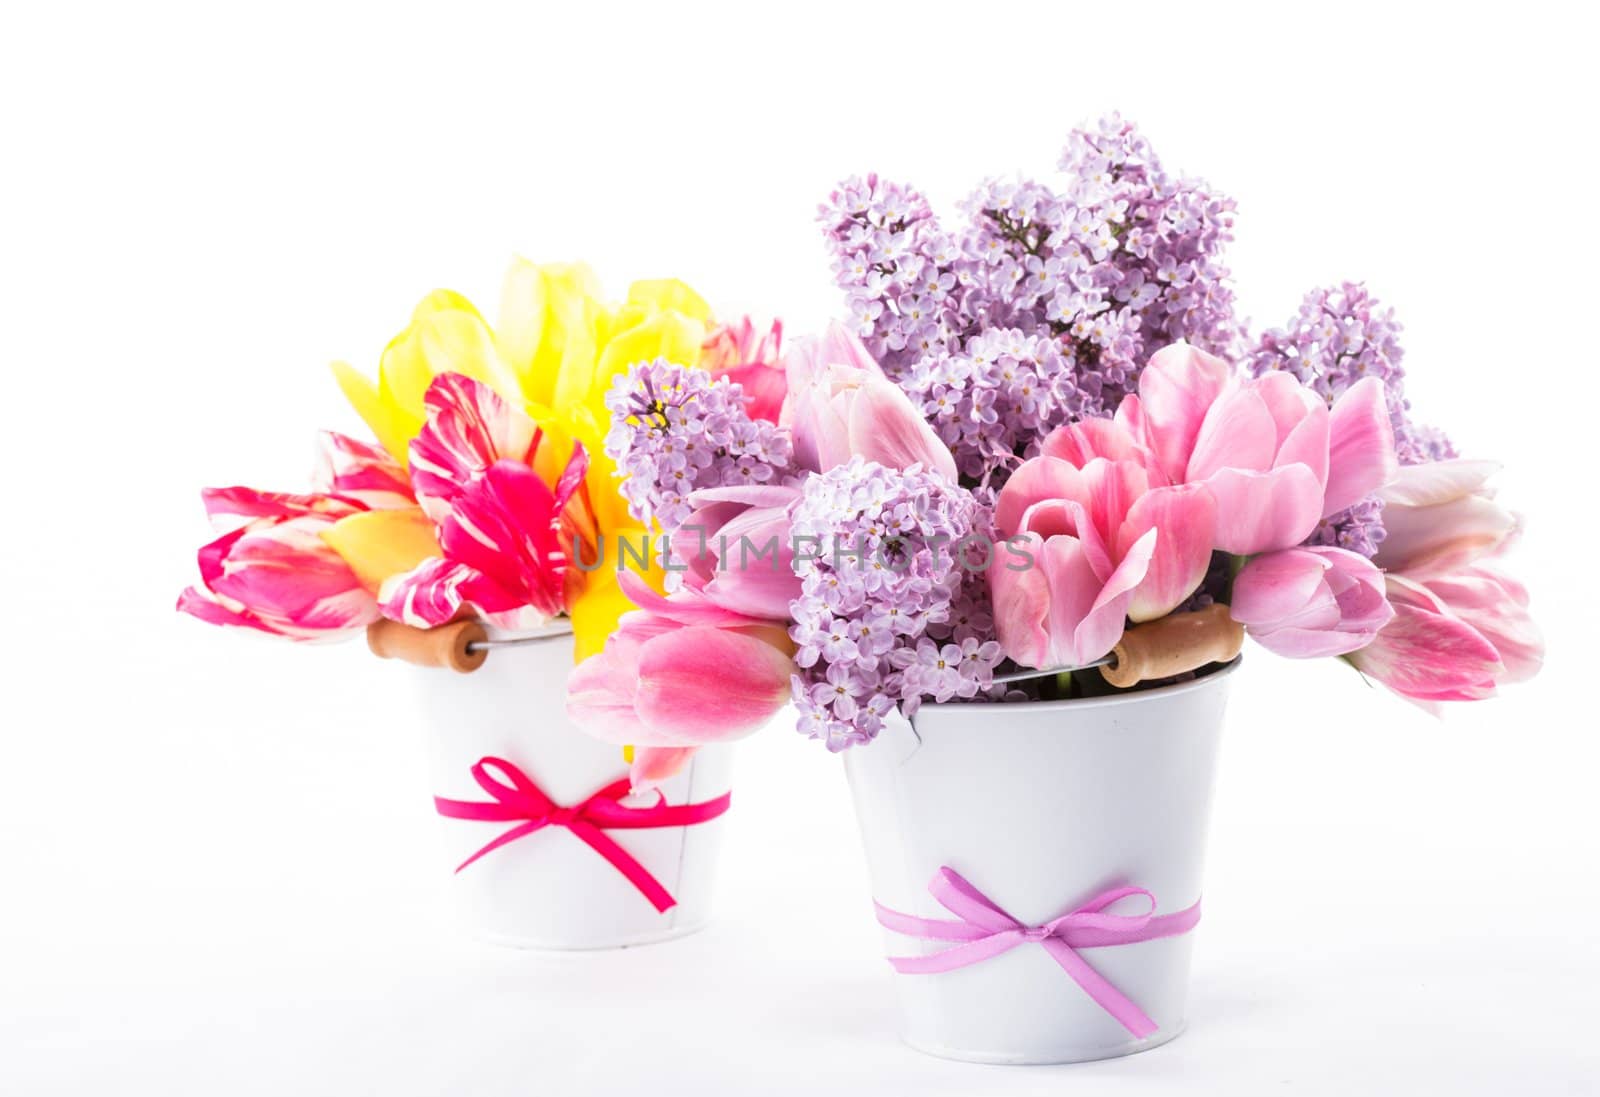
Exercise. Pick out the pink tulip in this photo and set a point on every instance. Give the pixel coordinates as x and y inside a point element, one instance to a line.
<point>1440,516</point>
<point>840,405</point>
<point>1269,450</point>
<point>753,359</point>
<point>1461,629</point>
<point>1177,389</point>
<point>681,671</point>
<point>1454,638</point>
<point>1496,605</point>
<point>724,546</point>
<point>1086,549</point>
<point>1306,603</point>
<point>652,765</point>
<point>272,571</point>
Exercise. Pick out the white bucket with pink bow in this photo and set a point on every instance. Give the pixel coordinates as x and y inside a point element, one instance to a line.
<point>545,846</point>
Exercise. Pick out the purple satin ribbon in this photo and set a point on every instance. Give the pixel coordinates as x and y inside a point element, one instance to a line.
<point>986,931</point>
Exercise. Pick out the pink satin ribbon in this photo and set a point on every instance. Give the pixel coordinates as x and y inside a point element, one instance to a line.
<point>987,931</point>
<point>517,799</point>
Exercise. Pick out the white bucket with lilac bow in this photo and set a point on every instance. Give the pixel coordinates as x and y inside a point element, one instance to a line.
<point>1037,868</point>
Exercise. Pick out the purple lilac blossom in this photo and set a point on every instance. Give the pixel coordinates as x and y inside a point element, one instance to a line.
<point>675,430</point>
<point>1091,279</point>
<point>1358,528</point>
<point>1340,335</point>
<point>887,614</point>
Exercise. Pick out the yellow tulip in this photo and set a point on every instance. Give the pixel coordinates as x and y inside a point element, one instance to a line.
<point>446,335</point>
<point>556,348</point>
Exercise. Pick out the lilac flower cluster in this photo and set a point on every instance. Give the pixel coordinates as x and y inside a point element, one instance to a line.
<point>1089,280</point>
<point>887,612</point>
<point>1004,387</point>
<point>1340,335</point>
<point>901,273</point>
<point>1358,528</point>
<point>675,430</point>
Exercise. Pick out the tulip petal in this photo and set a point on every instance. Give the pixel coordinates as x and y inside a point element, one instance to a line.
<point>238,507</point>
<point>652,765</point>
<point>1106,620</point>
<point>705,685</point>
<point>748,495</point>
<point>1081,442</point>
<point>1073,587</point>
<point>1109,490</point>
<point>378,544</point>
<point>1262,511</point>
<point>1282,585</point>
<point>1361,456</point>
<point>1186,517</point>
<point>1037,480</point>
<point>696,610</point>
<point>201,603</point>
<point>469,427</point>
<point>390,424</point>
<point>520,326</point>
<point>1307,440</point>
<point>1438,481</point>
<point>754,575</point>
<point>1176,390</point>
<point>1429,540</point>
<point>285,577</point>
<point>1311,643</point>
<point>884,426</point>
<point>1238,433</point>
<point>1307,603</point>
<point>428,595</point>
<point>663,294</point>
<point>406,369</point>
<point>355,470</point>
<point>1286,400</point>
<point>600,697</point>
<point>1496,605</point>
<point>1425,653</point>
<point>503,526</point>
<point>668,335</point>
<point>764,389</point>
<point>458,341</point>
<point>1021,596</point>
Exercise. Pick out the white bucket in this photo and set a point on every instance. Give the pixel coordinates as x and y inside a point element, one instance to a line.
<point>549,889</point>
<point>1042,807</point>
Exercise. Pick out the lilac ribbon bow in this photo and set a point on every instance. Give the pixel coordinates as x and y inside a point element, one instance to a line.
<point>987,931</point>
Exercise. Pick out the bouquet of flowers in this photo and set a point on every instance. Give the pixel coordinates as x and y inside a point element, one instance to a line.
<point>1040,429</point>
<point>487,476</point>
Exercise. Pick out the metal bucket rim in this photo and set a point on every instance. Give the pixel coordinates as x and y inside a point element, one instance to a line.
<point>1128,697</point>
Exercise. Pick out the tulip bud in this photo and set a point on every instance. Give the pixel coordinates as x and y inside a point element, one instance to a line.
<point>840,405</point>
<point>1306,603</point>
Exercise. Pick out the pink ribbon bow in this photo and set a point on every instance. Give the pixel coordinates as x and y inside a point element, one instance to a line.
<point>987,931</point>
<point>516,797</point>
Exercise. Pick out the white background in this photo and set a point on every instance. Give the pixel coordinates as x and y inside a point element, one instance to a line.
<point>218,865</point>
